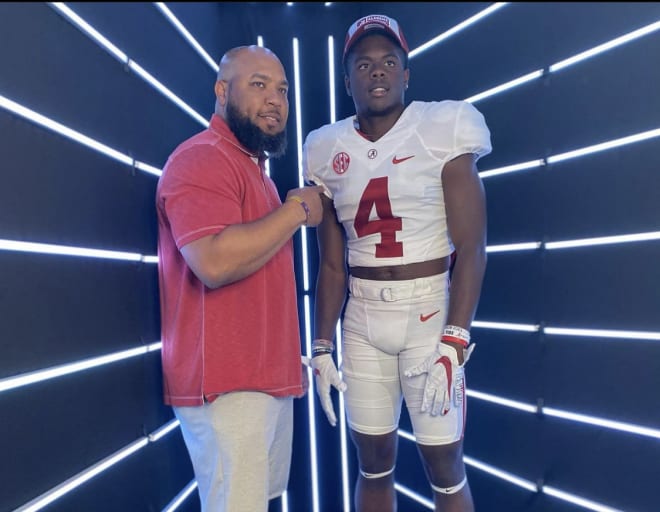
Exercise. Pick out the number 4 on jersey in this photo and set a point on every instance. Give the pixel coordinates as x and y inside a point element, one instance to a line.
<point>376,194</point>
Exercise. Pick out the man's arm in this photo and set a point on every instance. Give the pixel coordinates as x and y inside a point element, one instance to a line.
<point>465,204</point>
<point>241,249</point>
<point>331,279</point>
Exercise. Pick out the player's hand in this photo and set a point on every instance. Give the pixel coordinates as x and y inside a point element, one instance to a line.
<point>325,376</point>
<point>445,379</point>
<point>312,198</point>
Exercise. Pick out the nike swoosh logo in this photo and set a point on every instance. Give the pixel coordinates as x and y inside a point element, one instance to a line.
<point>424,318</point>
<point>396,160</point>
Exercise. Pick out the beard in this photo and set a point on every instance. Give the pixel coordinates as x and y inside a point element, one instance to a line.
<point>252,137</point>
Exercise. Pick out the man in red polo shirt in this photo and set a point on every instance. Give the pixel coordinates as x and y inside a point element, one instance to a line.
<point>231,344</point>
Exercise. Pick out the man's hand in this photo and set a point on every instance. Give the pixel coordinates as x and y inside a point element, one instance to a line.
<point>326,375</point>
<point>445,379</point>
<point>311,196</point>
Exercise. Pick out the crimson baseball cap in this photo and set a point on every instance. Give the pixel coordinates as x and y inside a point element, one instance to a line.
<point>374,22</point>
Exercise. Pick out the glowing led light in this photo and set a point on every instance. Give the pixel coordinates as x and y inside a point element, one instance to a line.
<point>603,333</point>
<point>601,422</point>
<point>505,326</point>
<point>186,35</point>
<point>577,500</point>
<point>606,46</point>
<point>181,497</point>
<point>414,496</point>
<point>523,246</point>
<point>260,41</point>
<point>454,30</point>
<point>60,129</point>
<point>299,143</point>
<point>25,379</point>
<point>331,78</point>
<point>90,31</point>
<point>311,392</point>
<point>520,482</point>
<point>638,137</point>
<point>506,86</point>
<point>124,59</point>
<point>82,477</point>
<point>506,402</point>
<point>343,428</point>
<point>65,250</point>
<point>512,168</point>
<point>163,431</point>
<point>147,168</point>
<point>406,435</point>
<point>604,240</point>
<point>285,502</point>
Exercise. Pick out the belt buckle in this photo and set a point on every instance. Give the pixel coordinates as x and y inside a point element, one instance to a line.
<point>386,294</point>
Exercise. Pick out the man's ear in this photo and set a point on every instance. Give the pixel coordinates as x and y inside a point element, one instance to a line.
<point>220,89</point>
<point>347,84</point>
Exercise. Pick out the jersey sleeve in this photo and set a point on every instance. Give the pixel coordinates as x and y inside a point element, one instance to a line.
<point>471,135</point>
<point>313,163</point>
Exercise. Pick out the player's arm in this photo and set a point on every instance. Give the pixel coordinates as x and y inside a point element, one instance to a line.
<point>465,204</point>
<point>332,274</point>
<point>241,249</point>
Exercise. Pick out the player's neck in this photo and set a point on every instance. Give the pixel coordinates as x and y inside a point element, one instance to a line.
<point>373,127</point>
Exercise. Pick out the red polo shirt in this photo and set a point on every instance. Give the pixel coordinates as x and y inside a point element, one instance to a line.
<point>243,336</point>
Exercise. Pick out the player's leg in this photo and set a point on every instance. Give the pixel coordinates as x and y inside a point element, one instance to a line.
<point>374,489</point>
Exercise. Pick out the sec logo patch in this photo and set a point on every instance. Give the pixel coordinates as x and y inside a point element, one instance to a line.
<point>340,162</point>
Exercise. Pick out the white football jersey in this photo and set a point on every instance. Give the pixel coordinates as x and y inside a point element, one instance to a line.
<point>388,194</point>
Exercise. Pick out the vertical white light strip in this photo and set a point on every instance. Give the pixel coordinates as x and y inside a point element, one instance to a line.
<point>299,148</point>
<point>186,35</point>
<point>285,502</point>
<point>343,436</point>
<point>125,60</point>
<point>181,497</point>
<point>454,30</point>
<point>331,79</point>
<point>311,407</point>
<point>343,429</point>
<point>260,42</point>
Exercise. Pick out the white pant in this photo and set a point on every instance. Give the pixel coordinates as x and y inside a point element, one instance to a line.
<point>388,327</point>
<point>240,447</point>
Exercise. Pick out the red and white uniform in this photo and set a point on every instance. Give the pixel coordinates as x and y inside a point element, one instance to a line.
<point>389,198</point>
<point>388,194</point>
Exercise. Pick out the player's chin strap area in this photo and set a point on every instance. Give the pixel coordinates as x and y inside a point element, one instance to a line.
<point>371,476</point>
<point>450,490</point>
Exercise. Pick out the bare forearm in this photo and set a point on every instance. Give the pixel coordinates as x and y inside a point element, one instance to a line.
<point>467,278</point>
<point>241,249</point>
<point>330,297</point>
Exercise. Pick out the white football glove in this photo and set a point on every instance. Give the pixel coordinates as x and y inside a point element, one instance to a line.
<point>445,379</point>
<point>326,375</point>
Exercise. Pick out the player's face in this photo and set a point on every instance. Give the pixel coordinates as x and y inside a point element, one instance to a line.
<point>376,76</point>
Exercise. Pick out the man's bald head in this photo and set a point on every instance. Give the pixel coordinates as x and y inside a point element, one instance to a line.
<point>251,93</point>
